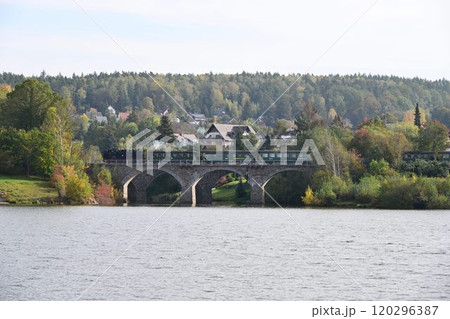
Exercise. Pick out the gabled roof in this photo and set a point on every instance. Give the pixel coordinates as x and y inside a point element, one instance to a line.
<point>198,116</point>
<point>189,137</point>
<point>124,115</point>
<point>225,129</point>
<point>101,119</point>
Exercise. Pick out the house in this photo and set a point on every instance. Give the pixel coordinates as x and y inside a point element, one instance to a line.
<point>96,116</point>
<point>101,119</point>
<point>182,140</point>
<point>111,111</point>
<point>219,112</point>
<point>123,116</point>
<point>228,132</point>
<point>197,118</point>
<point>93,113</point>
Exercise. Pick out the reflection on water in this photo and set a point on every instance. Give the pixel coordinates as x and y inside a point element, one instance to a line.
<point>54,253</point>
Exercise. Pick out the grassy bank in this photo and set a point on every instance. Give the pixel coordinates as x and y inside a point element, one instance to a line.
<point>23,190</point>
<point>227,193</point>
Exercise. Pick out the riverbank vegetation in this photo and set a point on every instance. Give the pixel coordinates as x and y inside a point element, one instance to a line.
<point>362,125</point>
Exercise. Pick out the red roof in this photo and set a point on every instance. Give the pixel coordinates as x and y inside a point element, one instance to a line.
<point>124,115</point>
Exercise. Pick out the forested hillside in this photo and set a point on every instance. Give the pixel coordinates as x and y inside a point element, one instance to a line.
<point>245,96</point>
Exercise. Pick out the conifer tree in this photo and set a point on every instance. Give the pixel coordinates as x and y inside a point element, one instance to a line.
<point>417,116</point>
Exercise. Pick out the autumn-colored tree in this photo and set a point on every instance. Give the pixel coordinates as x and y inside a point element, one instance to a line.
<point>309,199</point>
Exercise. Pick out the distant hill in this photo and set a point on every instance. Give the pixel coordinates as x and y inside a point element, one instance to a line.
<point>246,95</point>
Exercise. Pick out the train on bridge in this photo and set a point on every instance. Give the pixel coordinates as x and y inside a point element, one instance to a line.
<point>412,156</point>
<point>269,157</point>
<point>206,156</point>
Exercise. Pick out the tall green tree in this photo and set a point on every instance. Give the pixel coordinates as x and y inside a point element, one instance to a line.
<point>417,116</point>
<point>433,137</point>
<point>165,128</point>
<point>308,119</point>
<point>26,107</point>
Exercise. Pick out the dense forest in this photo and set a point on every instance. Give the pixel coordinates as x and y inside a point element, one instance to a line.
<point>246,96</point>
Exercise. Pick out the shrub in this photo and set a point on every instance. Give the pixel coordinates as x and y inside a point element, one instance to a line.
<point>78,188</point>
<point>73,187</point>
<point>309,198</point>
<point>380,168</point>
<point>397,193</point>
<point>104,194</point>
<point>426,168</point>
<point>326,194</point>
<point>418,193</point>
<point>104,176</point>
<point>330,188</point>
<point>367,190</point>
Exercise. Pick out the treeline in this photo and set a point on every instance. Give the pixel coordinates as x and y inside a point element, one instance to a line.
<point>246,96</point>
<point>37,138</point>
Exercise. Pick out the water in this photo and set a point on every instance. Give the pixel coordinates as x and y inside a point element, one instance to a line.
<point>223,253</point>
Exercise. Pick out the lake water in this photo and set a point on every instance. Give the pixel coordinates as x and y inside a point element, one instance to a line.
<point>223,253</point>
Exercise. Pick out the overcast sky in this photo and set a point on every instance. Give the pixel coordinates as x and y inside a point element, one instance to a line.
<point>401,37</point>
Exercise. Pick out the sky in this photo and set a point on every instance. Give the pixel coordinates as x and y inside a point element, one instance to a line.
<point>407,38</point>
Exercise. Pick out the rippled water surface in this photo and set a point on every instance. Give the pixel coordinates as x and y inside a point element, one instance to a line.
<point>55,253</point>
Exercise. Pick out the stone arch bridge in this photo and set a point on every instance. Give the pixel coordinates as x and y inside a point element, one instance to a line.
<point>197,180</point>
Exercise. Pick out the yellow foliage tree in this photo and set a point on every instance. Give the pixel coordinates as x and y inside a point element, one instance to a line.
<point>309,198</point>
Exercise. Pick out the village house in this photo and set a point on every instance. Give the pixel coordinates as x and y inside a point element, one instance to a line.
<point>197,119</point>
<point>228,132</point>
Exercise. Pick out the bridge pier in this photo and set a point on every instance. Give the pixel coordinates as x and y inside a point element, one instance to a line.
<point>187,197</point>
<point>141,183</point>
<point>257,195</point>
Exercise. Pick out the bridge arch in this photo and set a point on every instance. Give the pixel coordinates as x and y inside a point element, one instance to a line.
<point>204,186</point>
<point>139,185</point>
<point>285,186</point>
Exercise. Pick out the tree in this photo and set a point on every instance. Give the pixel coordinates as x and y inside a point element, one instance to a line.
<point>283,126</point>
<point>442,114</point>
<point>308,119</point>
<point>26,107</point>
<point>147,104</point>
<point>77,188</point>
<point>433,137</point>
<point>165,128</point>
<point>57,123</point>
<point>417,121</point>
<point>4,90</point>
<point>309,198</point>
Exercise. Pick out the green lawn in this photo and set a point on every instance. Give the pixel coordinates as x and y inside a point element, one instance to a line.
<point>27,190</point>
<point>227,193</point>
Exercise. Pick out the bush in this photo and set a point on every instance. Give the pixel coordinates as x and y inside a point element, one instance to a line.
<point>397,193</point>
<point>78,188</point>
<point>426,168</point>
<point>380,168</point>
<point>309,198</point>
<point>104,176</point>
<point>415,193</point>
<point>367,190</point>
<point>326,195</point>
<point>104,194</point>
<point>330,188</point>
<point>73,187</point>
